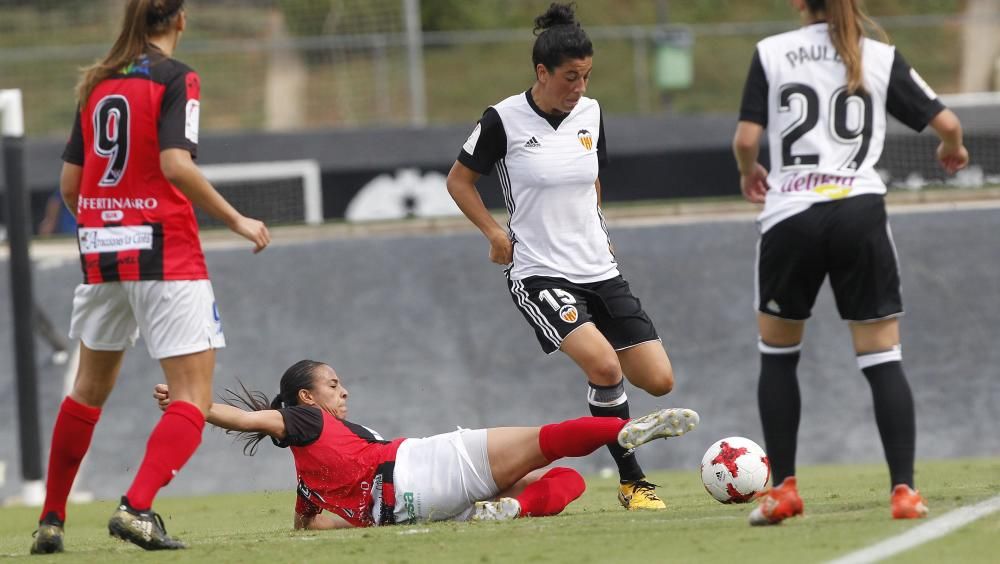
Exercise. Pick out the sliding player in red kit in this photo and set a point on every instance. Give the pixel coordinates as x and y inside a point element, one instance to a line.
<point>360,479</point>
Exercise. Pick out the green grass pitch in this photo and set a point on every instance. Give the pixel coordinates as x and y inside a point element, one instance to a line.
<point>846,510</point>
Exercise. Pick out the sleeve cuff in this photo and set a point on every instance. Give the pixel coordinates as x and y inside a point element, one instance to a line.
<point>929,115</point>
<point>193,149</point>
<point>470,162</point>
<point>753,117</point>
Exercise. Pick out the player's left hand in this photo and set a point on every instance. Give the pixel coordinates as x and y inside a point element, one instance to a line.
<point>162,395</point>
<point>252,230</point>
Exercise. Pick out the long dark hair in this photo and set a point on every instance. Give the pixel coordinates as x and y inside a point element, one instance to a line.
<point>847,21</point>
<point>559,37</point>
<point>143,19</point>
<point>299,376</point>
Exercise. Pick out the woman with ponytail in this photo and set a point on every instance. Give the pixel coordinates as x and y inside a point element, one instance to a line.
<point>822,94</point>
<point>547,145</point>
<point>130,180</point>
<point>363,480</point>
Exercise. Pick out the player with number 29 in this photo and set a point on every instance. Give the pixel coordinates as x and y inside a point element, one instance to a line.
<point>822,94</point>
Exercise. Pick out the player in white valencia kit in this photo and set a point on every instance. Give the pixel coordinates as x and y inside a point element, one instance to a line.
<point>547,145</point>
<point>822,94</point>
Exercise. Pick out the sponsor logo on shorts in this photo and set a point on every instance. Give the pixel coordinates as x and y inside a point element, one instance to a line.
<point>586,139</point>
<point>411,512</point>
<point>217,316</point>
<point>94,240</point>
<point>568,314</point>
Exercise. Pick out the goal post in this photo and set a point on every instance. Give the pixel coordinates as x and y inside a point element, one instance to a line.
<point>278,191</point>
<point>19,236</point>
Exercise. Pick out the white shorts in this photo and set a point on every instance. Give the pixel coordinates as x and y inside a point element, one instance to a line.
<point>442,477</point>
<point>175,317</point>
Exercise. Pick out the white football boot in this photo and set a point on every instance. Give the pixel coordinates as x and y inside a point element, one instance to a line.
<point>503,509</point>
<point>662,424</point>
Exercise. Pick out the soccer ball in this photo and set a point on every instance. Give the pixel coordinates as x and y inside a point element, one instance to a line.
<point>735,469</point>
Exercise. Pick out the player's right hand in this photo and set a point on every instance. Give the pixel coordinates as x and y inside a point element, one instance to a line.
<point>501,249</point>
<point>953,159</point>
<point>254,231</point>
<point>162,395</point>
<point>754,184</point>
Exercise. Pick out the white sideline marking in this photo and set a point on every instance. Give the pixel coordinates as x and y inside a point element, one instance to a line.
<point>414,532</point>
<point>926,532</point>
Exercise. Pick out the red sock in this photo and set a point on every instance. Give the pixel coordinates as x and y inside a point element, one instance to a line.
<point>578,437</point>
<point>170,445</point>
<point>551,493</point>
<point>70,441</point>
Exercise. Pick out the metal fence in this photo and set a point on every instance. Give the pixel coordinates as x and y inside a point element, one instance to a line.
<point>299,64</point>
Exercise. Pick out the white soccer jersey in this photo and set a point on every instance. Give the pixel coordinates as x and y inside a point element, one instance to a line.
<point>824,143</point>
<point>548,167</point>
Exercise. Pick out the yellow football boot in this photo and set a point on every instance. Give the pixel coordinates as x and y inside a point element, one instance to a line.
<point>639,495</point>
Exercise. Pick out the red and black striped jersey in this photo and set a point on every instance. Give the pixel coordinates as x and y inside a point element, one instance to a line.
<point>343,467</point>
<point>132,223</point>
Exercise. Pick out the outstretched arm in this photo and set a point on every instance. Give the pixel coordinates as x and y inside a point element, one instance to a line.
<point>267,421</point>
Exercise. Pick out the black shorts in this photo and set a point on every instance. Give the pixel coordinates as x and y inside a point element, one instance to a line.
<point>556,307</point>
<point>848,239</point>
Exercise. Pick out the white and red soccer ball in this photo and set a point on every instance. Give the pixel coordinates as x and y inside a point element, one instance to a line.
<point>735,470</point>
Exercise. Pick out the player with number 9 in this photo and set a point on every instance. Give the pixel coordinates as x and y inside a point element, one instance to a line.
<point>130,179</point>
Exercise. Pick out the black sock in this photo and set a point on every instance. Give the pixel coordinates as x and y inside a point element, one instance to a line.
<point>611,401</point>
<point>780,408</point>
<point>894,414</point>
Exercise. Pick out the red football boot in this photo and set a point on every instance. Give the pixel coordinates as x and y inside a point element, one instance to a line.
<point>777,504</point>
<point>907,503</point>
